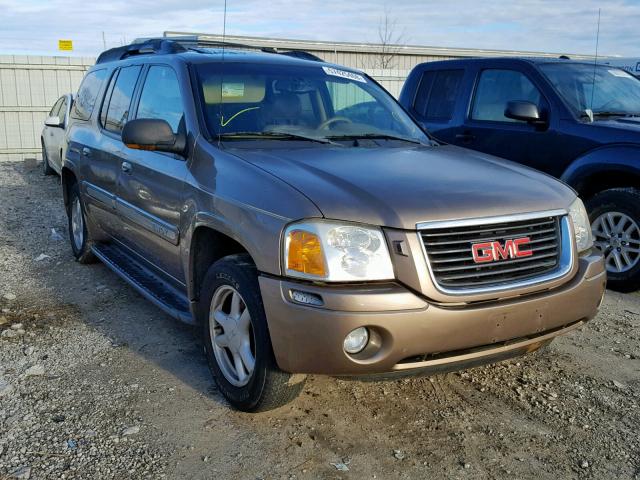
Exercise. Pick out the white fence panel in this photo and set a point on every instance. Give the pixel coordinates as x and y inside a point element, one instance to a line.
<point>29,86</point>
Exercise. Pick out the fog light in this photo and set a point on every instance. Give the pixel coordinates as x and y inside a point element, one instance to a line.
<point>356,340</point>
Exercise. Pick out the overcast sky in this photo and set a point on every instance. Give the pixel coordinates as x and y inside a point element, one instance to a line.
<point>569,26</point>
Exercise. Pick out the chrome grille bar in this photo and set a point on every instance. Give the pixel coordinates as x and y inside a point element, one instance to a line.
<point>448,250</point>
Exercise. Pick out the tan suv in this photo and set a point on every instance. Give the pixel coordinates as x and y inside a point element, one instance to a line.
<point>297,214</point>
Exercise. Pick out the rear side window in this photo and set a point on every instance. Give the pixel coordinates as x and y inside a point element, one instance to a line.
<point>120,99</point>
<point>437,94</point>
<point>498,87</point>
<point>87,94</point>
<point>160,98</point>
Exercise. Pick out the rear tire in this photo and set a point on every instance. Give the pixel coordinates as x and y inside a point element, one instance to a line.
<point>78,233</point>
<point>615,221</point>
<point>237,341</point>
<point>46,168</point>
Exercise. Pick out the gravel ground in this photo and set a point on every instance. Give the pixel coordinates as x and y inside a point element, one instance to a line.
<point>95,382</point>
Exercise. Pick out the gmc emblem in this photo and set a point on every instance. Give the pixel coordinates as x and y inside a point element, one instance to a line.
<point>494,251</point>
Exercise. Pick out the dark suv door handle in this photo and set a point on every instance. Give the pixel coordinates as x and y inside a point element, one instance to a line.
<point>86,152</point>
<point>465,137</point>
<point>126,167</point>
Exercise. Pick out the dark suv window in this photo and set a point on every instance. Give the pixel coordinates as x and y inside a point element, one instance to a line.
<point>498,87</point>
<point>160,97</point>
<point>437,93</point>
<point>87,94</point>
<point>119,99</point>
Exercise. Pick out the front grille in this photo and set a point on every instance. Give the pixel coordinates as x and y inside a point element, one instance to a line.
<point>449,252</point>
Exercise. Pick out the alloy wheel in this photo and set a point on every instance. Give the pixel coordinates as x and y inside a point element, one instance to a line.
<point>232,335</point>
<point>617,235</point>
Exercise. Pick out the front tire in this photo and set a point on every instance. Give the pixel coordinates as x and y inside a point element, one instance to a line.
<point>615,221</point>
<point>237,341</point>
<point>78,233</point>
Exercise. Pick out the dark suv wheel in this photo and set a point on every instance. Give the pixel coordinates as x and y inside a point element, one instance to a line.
<point>236,338</point>
<point>615,221</point>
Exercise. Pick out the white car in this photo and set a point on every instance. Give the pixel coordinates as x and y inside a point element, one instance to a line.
<point>52,137</point>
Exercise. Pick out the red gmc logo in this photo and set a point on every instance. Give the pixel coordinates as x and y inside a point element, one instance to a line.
<point>494,251</point>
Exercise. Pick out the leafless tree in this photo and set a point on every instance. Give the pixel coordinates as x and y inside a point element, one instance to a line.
<point>389,40</point>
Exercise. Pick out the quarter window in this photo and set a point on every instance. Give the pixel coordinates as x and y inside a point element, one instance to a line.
<point>88,93</point>
<point>160,98</point>
<point>437,94</point>
<point>498,87</point>
<point>120,99</point>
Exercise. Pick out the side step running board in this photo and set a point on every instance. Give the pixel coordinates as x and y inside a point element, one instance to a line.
<point>146,282</point>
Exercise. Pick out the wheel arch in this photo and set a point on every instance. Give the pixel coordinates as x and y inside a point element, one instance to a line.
<point>208,245</point>
<point>68,178</point>
<point>603,169</point>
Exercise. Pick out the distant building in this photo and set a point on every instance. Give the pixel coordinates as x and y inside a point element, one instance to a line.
<point>370,57</point>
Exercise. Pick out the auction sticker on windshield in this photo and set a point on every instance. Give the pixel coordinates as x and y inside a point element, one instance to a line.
<point>344,74</point>
<point>620,73</point>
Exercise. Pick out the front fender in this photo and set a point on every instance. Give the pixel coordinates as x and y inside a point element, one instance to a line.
<point>622,159</point>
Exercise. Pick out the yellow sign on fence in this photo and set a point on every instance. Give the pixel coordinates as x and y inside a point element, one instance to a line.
<point>66,45</point>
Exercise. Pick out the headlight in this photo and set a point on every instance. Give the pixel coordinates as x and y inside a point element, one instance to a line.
<point>336,252</point>
<point>581,225</point>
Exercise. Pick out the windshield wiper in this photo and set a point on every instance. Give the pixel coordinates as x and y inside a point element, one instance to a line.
<point>607,113</point>
<point>374,136</point>
<point>276,136</point>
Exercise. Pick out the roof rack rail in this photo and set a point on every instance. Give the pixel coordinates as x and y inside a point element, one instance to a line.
<point>195,41</point>
<point>141,47</point>
<point>179,44</point>
<point>294,53</point>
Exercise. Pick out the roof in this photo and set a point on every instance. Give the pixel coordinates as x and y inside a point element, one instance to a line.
<point>529,60</point>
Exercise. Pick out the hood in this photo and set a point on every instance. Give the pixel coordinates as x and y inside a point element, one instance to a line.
<point>400,187</point>
<point>612,130</point>
<point>627,123</point>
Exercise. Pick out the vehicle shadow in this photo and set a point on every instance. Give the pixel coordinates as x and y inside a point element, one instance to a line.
<point>32,207</point>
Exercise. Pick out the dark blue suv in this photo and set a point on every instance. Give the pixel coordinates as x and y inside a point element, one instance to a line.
<point>577,121</point>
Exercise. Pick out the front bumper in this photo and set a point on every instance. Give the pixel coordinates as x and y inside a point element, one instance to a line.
<point>416,335</point>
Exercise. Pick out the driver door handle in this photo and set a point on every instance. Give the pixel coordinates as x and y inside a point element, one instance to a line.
<point>126,167</point>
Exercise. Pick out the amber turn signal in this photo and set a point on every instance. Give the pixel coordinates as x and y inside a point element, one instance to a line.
<point>305,253</point>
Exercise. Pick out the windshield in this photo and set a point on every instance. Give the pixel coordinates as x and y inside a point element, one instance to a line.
<point>316,103</point>
<point>614,90</point>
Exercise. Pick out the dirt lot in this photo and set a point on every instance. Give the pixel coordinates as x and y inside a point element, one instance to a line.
<point>95,382</point>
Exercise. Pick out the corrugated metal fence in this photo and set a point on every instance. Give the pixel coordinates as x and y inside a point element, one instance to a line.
<point>29,86</point>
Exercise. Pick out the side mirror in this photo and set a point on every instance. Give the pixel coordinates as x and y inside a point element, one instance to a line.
<point>54,122</point>
<point>153,134</point>
<point>525,111</point>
